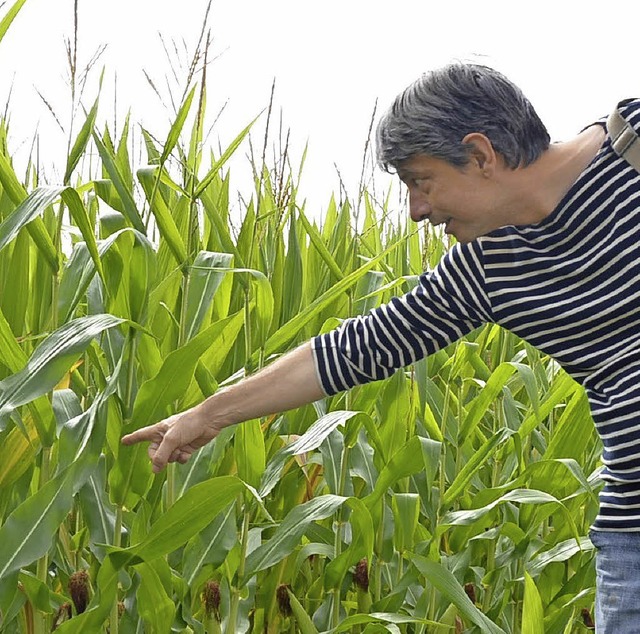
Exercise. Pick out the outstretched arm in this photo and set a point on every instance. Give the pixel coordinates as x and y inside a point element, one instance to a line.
<point>289,382</point>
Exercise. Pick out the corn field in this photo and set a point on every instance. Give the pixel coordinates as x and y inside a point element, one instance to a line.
<point>455,496</point>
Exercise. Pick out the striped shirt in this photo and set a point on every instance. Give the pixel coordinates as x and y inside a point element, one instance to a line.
<point>569,285</point>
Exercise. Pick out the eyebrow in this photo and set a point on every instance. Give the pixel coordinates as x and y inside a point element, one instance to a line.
<point>418,175</point>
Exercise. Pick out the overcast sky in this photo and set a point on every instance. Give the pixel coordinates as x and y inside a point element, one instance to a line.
<point>331,60</point>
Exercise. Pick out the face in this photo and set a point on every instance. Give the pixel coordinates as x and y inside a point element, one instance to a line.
<point>458,198</point>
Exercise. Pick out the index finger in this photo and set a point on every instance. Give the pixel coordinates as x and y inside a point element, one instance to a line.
<point>143,434</point>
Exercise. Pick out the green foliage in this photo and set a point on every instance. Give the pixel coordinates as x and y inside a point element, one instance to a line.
<point>455,496</point>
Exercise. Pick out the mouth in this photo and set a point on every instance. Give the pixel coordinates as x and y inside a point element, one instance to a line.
<point>445,221</point>
<point>436,222</point>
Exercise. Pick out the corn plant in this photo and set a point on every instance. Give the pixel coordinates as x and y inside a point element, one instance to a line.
<point>453,497</point>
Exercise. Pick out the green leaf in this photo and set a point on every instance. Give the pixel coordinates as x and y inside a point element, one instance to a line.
<point>394,414</point>
<point>472,466</point>
<point>17,453</point>
<point>302,618</point>
<point>132,471</point>
<point>29,209</point>
<point>154,604</point>
<point>97,511</point>
<point>129,206</point>
<point>85,434</point>
<point>156,394</point>
<point>210,546</point>
<point>39,594</point>
<point>34,206</point>
<point>560,552</point>
<point>176,127</point>
<point>263,299</point>
<point>212,360</point>
<point>27,533</point>
<point>249,452</point>
<point>51,360</point>
<point>11,354</point>
<point>377,617</point>
<point>562,388</point>
<point>206,275</point>
<point>13,357</point>
<point>486,398</point>
<point>9,16</point>
<point>158,207</point>
<point>292,328</point>
<point>573,431</point>
<point>215,168</point>
<point>80,144</point>
<point>310,440</point>
<point>289,533</point>
<point>81,218</point>
<point>297,278</point>
<point>187,517</point>
<point>333,455</point>
<point>142,277</point>
<point>316,240</point>
<point>77,274</point>
<point>532,612</point>
<point>80,269</point>
<point>406,511</point>
<point>15,301</point>
<point>405,462</point>
<point>521,496</point>
<point>362,537</point>
<point>448,586</point>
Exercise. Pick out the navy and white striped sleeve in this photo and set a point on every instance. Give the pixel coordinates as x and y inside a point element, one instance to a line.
<point>447,304</point>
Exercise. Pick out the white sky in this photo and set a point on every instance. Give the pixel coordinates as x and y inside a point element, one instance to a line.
<point>330,59</point>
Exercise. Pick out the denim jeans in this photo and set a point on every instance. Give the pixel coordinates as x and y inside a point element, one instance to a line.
<point>617,582</point>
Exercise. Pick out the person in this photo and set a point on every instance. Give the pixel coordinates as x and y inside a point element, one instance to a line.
<point>548,246</point>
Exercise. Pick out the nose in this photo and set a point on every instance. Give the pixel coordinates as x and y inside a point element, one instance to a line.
<point>418,206</point>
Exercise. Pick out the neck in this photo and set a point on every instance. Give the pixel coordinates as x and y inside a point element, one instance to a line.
<point>536,190</point>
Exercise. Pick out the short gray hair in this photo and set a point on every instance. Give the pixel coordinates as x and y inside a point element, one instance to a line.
<point>437,111</point>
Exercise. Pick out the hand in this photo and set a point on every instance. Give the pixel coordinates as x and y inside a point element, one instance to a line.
<point>174,439</point>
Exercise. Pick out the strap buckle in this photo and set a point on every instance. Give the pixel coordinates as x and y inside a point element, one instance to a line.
<point>623,142</point>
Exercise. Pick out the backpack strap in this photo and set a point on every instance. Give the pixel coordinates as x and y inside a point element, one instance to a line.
<point>624,139</point>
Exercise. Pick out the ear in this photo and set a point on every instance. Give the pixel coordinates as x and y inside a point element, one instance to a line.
<point>481,152</point>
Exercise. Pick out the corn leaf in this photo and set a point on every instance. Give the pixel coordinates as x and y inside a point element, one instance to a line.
<point>80,144</point>
<point>154,604</point>
<point>361,546</point>
<point>471,467</point>
<point>51,361</point>
<point>117,179</point>
<point>448,585</point>
<point>289,532</point>
<point>158,207</point>
<point>210,546</point>
<point>132,471</point>
<point>9,17</point>
<point>310,440</point>
<point>226,155</point>
<point>26,535</point>
<point>176,127</point>
<point>287,332</point>
<point>187,517</point>
<point>36,228</point>
<point>532,612</point>
<point>206,276</point>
